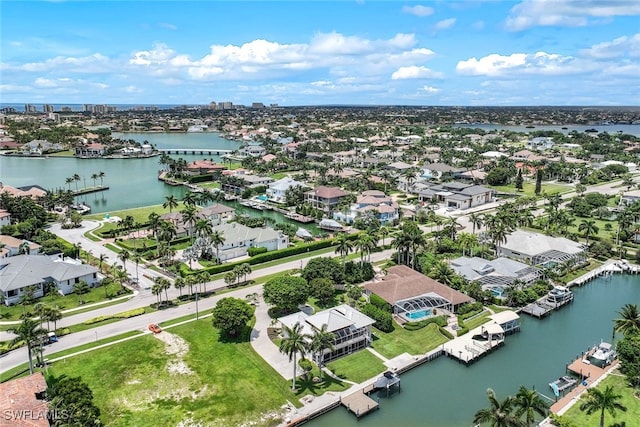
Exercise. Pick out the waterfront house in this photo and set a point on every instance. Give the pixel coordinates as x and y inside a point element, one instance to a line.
<point>23,402</point>
<point>496,274</point>
<point>253,151</point>
<point>276,192</point>
<point>38,147</point>
<point>457,195</point>
<point>371,202</point>
<point>93,149</point>
<point>540,143</point>
<point>32,191</point>
<point>10,246</point>
<point>239,238</point>
<point>414,295</point>
<point>438,170</point>
<point>217,213</point>
<point>538,249</point>
<point>21,273</point>
<point>351,329</point>
<point>200,167</point>
<point>325,198</point>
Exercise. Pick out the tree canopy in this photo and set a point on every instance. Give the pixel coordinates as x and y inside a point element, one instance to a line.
<point>286,292</point>
<point>231,315</point>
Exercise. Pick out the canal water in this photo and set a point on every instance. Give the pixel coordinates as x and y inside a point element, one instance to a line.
<point>132,183</point>
<point>444,393</point>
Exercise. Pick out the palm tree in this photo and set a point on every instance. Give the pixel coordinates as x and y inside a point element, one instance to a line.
<point>189,216</point>
<point>203,227</point>
<point>68,181</point>
<point>500,414</point>
<point>320,341</point>
<point>365,244</point>
<point>476,221</point>
<point>76,178</point>
<point>529,403</point>
<point>598,400</point>
<point>156,290</point>
<point>294,342</point>
<point>245,269</point>
<point>179,283</point>
<point>384,232</point>
<point>217,239</point>
<point>124,256</point>
<point>94,176</point>
<point>629,321</point>
<point>190,198</point>
<point>53,314</point>
<point>467,242</point>
<point>29,331</point>
<point>101,176</point>
<point>589,227</point>
<point>170,202</point>
<point>343,246</point>
<point>136,258</point>
<point>101,259</point>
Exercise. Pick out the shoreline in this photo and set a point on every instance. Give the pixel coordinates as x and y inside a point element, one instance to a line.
<point>405,362</point>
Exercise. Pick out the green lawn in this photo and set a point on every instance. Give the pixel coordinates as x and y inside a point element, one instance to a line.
<point>230,383</point>
<point>209,185</point>
<point>357,367</point>
<point>62,302</point>
<point>399,341</point>
<point>528,189</point>
<point>139,214</point>
<point>478,320</point>
<point>631,417</point>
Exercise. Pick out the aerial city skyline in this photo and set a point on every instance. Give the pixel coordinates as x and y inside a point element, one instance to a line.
<point>542,52</point>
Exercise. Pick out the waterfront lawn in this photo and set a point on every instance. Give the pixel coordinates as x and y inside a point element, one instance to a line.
<point>357,367</point>
<point>528,189</point>
<point>631,417</point>
<point>478,320</point>
<point>140,215</point>
<point>209,185</point>
<point>392,344</point>
<point>593,264</point>
<point>230,383</point>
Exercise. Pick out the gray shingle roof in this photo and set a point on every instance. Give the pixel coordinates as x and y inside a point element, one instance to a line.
<point>25,270</point>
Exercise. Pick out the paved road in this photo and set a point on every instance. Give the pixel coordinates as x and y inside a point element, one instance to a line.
<point>145,298</point>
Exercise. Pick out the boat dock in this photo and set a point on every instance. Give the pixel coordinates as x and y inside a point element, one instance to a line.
<point>542,307</point>
<point>89,190</point>
<point>215,151</point>
<point>359,402</point>
<point>608,268</point>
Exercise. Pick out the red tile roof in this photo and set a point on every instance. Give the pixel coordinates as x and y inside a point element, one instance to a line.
<point>19,402</point>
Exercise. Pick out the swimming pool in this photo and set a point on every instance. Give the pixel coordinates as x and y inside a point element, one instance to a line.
<point>497,292</point>
<point>262,197</point>
<point>417,315</point>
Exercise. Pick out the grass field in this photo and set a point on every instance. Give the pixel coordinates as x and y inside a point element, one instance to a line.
<point>139,214</point>
<point>394,343</point>
<point>357,367</point>
<point>631,417</point>
<point>219,383</point>
<point>528,189</point>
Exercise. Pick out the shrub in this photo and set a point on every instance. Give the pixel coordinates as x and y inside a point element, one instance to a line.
<point>256,251</point>
<point>414,326</point>
<point>469,307</point>
<point>444,332</point>
<point>384,321</point>
<point>380,303</point>
<point>462,331</point>
<point>122,315</point>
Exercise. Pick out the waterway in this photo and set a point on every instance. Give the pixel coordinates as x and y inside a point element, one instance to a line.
<point>132,183</point>
<point>612,129</point>
<point>444,393</point>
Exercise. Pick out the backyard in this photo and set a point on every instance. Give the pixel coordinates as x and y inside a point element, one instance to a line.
<point>392,344</point>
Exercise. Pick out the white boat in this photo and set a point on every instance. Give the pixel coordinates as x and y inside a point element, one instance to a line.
<point>81,208</point>
<point>562,383</point>
<point>603,355</point>
<point>559,294</point>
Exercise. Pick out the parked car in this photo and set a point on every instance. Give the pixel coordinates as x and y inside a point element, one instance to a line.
<point>155,328</point>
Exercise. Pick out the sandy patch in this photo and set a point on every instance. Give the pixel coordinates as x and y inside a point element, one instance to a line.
<point>175,346</point>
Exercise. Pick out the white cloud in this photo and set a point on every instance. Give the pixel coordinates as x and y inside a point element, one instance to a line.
<point>159,54</point>
<point>566,13</point>
<point>616,48</point>
<point>540,63</point>
<point>95,63</point>
<point>133,89</point>
<point>415,72</point>
<point>445,24</point>
<point>418,10</point>
<point>478,25</point>
<point>167,26</point>
<point>430,90</point>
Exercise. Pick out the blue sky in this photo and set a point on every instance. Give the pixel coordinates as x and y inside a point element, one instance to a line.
<point>528,52</point>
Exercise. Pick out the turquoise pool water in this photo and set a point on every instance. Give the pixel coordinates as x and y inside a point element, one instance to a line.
<point>417,315</point>
<point>262,197</point>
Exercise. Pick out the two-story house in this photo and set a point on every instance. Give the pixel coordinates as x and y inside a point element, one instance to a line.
<point>10,246</point>
<point>325,198</point>
<point>276,192</point>
<point>239,238</point>
<point>371,202</point>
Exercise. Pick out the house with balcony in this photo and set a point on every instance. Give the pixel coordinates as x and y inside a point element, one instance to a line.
<point>22,274</point>
<point>217,213</point>
<point>351,329</point>
<point>374,203</point>
<point>325,198</point>
<point>276,192</point>
<point>93,149</point>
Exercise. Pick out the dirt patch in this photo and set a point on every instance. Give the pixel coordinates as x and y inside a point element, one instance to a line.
<point>175,346</point>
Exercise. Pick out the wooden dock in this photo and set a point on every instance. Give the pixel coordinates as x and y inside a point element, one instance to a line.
<point>542,307</point>
<point>89,190</point>
<point>359,403</point>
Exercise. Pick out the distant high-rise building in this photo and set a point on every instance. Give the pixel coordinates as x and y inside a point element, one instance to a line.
<point>213,105</point>
<point>257,105</point>
<point>29,108</point>
<point>88,108</point>
<point>53,116</point>
<point>47,108</point>
<point>66,109</point>
<point>227,105</point>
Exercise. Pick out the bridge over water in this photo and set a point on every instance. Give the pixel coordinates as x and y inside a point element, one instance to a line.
<point>211,151</point>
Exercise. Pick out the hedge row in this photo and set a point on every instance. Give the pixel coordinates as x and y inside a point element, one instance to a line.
<point>122,315</point>
<point>380,303</point>
<point>256,251</point>
<point>471,313</point>
<point>444,332</point>
<point>438,320</point>
<point>384,320</point>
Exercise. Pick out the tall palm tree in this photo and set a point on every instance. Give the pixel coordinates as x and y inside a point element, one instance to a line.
<point>189,216</point>
<point>124,256</point>
<point>101,259</point>
<point>529,403</point>
<point>476,221</point>
<point>136,258</point>
<point>294,342</point>
<point>94,176</point>
<point>598,400</point>
<point>190,198</point>
<point>68,181</point>
<point>384,232</point>
<point>365,244</point>
<point>179,283</point>
<point>76,178</point>
<point>101,176</point>
<point>170,202</point>
<point>629,321</point>
<point>321,341</point>
<point>30,332</point>
<point>499,414</point>
<point>589,227</point>
<point>202,227</point>
<point>343,246</point>
<point>217,239</point>
<point>467,242</point>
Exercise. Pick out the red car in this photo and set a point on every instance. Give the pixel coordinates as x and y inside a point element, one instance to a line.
<point>155,328</point>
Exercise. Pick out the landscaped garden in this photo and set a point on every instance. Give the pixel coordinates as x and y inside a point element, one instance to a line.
<point>392,344</point>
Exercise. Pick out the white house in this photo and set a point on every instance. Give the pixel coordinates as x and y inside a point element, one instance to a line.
<point>351,329</point>
<point>239,238</point>
<point>495,274</point>
<point>630,197</point>
<point>277,190</point>
<point>17,273</point>
<point>10,246</point>
<point>371,202</point>
<point>538,249</point>
<point>217,213</point>
<point>5,217</point>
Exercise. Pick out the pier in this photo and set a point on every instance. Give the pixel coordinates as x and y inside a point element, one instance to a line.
<point>359,402</point>
<point>543,307</point>
<point>89,190</point>
<point>209,151</point>
<point>610,267</point>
